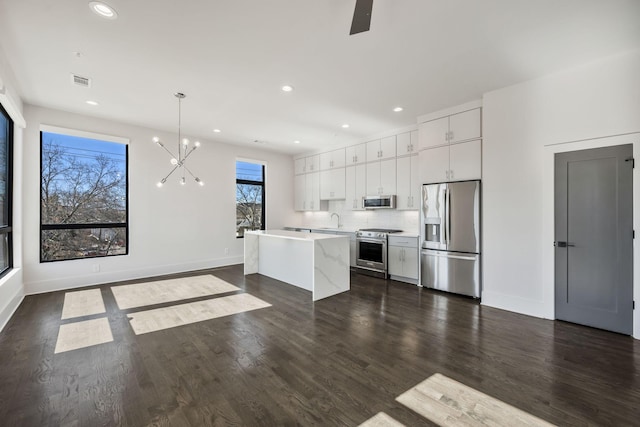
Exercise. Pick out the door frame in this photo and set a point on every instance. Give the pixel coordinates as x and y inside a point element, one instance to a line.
<point>548,210</point>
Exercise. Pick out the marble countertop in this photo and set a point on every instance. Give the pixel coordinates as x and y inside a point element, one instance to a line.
<point>296,235</point>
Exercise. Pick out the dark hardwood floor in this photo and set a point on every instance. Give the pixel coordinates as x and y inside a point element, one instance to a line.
<point>338,361</point>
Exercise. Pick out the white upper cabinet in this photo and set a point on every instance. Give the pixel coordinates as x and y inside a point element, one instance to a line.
<point>465,161</point>
<point>455,162</point>
<point>465,126</point>
<point>332,184</point>
<point>407,183</point>
<point>332,159</point>
<point>299,166</point>
<point>356,154</point>
<point>434,133</point>
<point>355,187</point>
<point>307,192</point>
<point>381,149</point>
<point>451,129</point>
<point>306,164</point>
<point>299,192</point>
<point>381,178</point>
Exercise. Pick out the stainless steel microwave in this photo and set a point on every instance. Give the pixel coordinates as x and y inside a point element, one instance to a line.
<point>379,202</point>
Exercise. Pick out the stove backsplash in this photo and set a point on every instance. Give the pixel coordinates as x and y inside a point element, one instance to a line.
<point>354,220</point>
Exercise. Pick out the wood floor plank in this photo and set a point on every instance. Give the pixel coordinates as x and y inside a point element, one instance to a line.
<point>338,361</point>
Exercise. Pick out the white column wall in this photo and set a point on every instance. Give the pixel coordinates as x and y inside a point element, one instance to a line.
<point>171,229</point>
<point>520,124</point>
<point>11,286</point>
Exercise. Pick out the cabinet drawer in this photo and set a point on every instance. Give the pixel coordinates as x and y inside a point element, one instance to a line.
<point>406,242</point>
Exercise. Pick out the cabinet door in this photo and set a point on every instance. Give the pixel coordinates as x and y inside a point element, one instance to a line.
<point>410,264</point>
<point>388,177</point>
<point>325,161</point>
<point>338,158</point>
<point>433,133</point>
<point>434,165</point>
<point>416,184</point>
<point>403,183</point>
<point>465,126</point>
<point>394,257</point>
<point>332,184</point>
<point>373,179</point>
<point>415,144</point>
<point>313,163</point>
<point>465,160</point>
<point>388,147</point>
<point>355,187</point>
<point>356,154</point>
<point>373,150</point>
<point>299,166</point>
<point>313,191</point>
<point>403,144</point>
<point>299,192</point>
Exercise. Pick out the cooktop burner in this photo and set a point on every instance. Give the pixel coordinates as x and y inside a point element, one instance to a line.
<point>380,230</point>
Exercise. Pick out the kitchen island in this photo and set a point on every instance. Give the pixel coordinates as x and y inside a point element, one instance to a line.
<point>316,262</point>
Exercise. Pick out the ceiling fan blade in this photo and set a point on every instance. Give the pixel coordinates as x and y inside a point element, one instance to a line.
<point>361,17</point>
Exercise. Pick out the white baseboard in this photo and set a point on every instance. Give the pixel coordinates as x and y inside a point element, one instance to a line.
<point>73,282</point>
<point>516,304</point>
<point>9,309</point>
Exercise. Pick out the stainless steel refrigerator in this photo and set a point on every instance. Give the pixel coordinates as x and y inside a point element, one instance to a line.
<point>450,234</point>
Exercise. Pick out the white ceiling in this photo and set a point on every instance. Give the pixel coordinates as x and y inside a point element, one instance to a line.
<point>232,56</point>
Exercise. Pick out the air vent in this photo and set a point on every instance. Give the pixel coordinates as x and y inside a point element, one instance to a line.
<point>80,81</point>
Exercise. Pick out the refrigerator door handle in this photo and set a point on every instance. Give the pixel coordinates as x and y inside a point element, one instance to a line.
<point>448,217</point>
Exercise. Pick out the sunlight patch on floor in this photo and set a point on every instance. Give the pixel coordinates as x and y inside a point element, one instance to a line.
<point>163,291</point>
<point>445,402</point>
<point>381,420</point>
<point>158,319</point>
<point>82,303</point>
<point>73,336</point>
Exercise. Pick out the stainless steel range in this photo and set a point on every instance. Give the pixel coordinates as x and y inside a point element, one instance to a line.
<point>371,250</point>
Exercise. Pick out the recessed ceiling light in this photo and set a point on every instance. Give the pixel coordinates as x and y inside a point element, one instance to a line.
<point>296,142</point>
<point>345,126</point>
<point>287,88</point>
<point>216,130</point>
<point>103,10</point>
<point>94,103</point>
<point>398,109</point>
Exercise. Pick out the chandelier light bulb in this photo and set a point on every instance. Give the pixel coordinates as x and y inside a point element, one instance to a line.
<point>197,144</point>
<point>155,139</point>
<point>199,181</point>
<point>182,181</point>
<point>174,161</point>
<point>185,141</point>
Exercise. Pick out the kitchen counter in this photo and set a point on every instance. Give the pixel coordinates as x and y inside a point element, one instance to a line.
<point>316,262</point>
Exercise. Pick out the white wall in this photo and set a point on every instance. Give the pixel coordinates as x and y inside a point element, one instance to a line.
<point>523,125</point>
<point>171,229</point>
<point>11,287</point>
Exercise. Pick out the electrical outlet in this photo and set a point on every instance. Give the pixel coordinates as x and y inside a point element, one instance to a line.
<point>226,251</point>
<point>95,268</point>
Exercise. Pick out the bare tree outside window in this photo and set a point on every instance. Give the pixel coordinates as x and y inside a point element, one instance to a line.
<point>83,198</point>
<point>250,212</point>
<point>6,191</point>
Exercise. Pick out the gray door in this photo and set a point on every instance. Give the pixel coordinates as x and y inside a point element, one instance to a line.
<point>594,238</point>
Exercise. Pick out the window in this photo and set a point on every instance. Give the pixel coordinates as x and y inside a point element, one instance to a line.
<point>250,205</point>
<point>6,191</point>
<point>83,197</point>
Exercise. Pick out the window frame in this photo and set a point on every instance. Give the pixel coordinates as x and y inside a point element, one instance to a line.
<point>263,184</point>
<point>85,226</point>
<point>8,229</point>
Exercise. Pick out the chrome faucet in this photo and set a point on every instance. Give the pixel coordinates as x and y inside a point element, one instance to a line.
<point>339,225</point>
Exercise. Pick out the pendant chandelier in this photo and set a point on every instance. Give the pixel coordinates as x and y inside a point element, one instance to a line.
<point>184,150</point>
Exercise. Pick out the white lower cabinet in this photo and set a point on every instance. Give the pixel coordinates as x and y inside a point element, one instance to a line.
<point>455,162</point>
<point>402,257</point>
<point>356,187</point>
<point>381,177</point>
<point>408,183</point>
